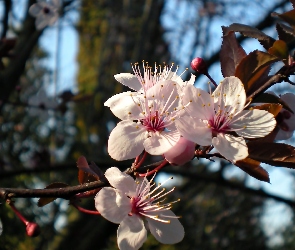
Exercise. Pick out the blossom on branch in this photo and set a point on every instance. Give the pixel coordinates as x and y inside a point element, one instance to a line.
<point>136,206</point>
<point>220,119</point>
<point>148,115</point>
<point>45,13</point>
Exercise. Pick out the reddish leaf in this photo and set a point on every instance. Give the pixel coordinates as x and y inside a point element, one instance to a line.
<point>231,53</point>
<point>87,173</point>
<point>285,32</point>
<point>46,200</point>
<point>253,66</point>
<point>273,108</point>
<point>265,40</point>
<point>253,168</point>
<point>275,154</point>
<point>269,98</point>
<point>280,49</point>
<point>288,17</point>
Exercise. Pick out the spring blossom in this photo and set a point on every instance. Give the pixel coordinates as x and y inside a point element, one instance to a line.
<point>136,205</point>
<point>219,119</point>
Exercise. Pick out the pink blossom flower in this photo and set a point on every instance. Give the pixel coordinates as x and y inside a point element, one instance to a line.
<point>132,203</point>
<point>45,13</point>
<point>286,120</point>
<point>151,77</point>
<point>148,120</point>
<point>181,153</point>
<point>220,119</point>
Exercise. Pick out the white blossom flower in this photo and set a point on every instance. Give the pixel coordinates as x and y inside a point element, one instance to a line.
<point>151,77</point>
<point>220,119</point>
<point>45,13</point>
<point>148,116</point>
<point>285,119</point>
<point>134,206</point>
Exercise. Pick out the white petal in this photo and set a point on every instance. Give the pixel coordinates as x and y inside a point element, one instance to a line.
<point>230,92</point>
<point>164,95</point>
<point>131,233</point>
<point>123,106</point>
<point>195,130</point>
<point>159,143</point>
<point>166,233</point>
<point>121,181</point>
<point>232,148</point>
<point>253,123</point>
<point>201,104</point>
<point>129,80</point>
<point>126,140</point>
<point>112,205</point>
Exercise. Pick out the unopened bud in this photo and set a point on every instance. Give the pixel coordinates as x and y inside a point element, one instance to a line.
<point>33,229</point>
<point>198,64</point>
<point>181,153</point>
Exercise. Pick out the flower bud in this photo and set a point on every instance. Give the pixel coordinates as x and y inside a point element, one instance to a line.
<point>181,153</point>
<point>199,65</point>
<point>33,229</point>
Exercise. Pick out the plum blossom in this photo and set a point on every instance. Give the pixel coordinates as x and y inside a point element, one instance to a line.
<point>45,13</point>
<point>285,119</point>
<point>150,77</point>
<point>136,206</point>
<point>220,119</point>
<point>148,115</point>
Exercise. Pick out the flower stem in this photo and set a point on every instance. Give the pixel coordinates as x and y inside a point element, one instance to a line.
<point>163,164</point>
<point>86,211</point>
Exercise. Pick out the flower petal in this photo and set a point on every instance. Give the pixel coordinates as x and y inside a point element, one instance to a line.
<point>126,140</point>
<point>232,148</point>
<point>166,233</point>
<point>195,130</point>
<point>129,80</point>
<point>121,181</point>
<point>200,103</point>
<point>131,233</point>
<point>112,205</point>
<point>159,143</point>
<point>123,105</point>
<point>253,123</point>
<point>230,92</point>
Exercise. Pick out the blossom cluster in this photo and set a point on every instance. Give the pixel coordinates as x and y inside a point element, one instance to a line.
<point>163,110</point>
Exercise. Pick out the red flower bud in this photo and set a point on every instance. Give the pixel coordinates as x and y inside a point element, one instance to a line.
<point>199,65</point>
<point>33,229</point>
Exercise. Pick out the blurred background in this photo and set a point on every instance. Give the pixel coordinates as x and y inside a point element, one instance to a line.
<point>53,84</point>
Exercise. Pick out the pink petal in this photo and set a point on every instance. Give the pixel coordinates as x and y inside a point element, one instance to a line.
<point>201,104</point>
<point>121,181</point>
<point>112,205</point>
<point>182,152</point>
<point>129,80</point>
<point>166,233</point>
<point>253,123</point>
<point>123,106</point>
<point>131,233</point>
<point>195,130</point>
<point>159,143</point>
<point>230,92</point>
<point>126,140</point>
<point>232,148</point>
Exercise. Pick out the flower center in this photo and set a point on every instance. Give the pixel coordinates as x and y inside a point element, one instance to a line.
<point>219,122</point>
<point>153,122</point>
